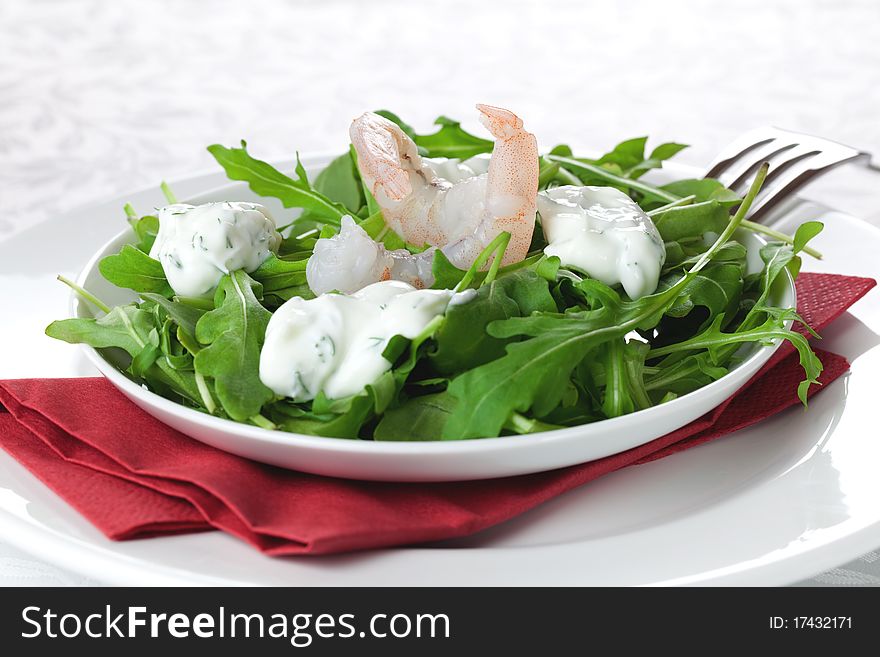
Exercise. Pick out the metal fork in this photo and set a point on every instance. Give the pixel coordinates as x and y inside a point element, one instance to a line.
<point>795,159</point>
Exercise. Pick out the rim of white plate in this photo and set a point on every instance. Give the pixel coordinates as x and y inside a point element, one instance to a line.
<point>464,446</point>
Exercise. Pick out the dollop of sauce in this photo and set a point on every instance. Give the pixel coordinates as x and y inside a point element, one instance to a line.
<point>603,232</point>
<point>334,343</point>
<point>198,244</point>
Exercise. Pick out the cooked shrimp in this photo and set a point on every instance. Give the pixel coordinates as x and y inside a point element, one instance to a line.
<point>424,209</point>
<point>352,260</point>
<point>460,219</point>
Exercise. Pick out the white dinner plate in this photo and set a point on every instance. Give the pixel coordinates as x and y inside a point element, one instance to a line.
<point>772,504</point>
<point>416,461</point>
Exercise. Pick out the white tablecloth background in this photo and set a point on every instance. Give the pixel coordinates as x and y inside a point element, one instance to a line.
<point>98,97</point>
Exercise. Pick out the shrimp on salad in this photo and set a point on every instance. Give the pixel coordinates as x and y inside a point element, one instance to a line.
<point>459,218</point>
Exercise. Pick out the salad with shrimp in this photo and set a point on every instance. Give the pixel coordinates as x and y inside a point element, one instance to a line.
<point>445,286</point>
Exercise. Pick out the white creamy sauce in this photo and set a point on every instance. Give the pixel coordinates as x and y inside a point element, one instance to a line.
<point>603,232</point>
<point>197,245</point>
<point>454,170</point>
<point>334,343</point>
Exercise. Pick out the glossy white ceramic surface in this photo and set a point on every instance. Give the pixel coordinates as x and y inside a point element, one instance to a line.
<point>771,504</point>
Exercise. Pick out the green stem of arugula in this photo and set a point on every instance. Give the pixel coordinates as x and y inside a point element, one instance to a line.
<point>741,212</point>
<point>205,393</point>
<point>429,330</point>
<point>728,338</point>
<point>263,422</point>
<point>568,177</point>
<point>195,302</point>
<point>782,237</point>
<point>547,174</point>
<point>129,211</point>
<point>496,246</point>
<point>636,384</point>
<point>603,173</point>
<point>308,233</point>
<point>85,294</point>
<point>169,195</point>
<point>686,200</point>
<point>496,261</point>
<point>521,424</point>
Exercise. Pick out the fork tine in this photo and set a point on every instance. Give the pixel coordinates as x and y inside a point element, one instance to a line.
<point>810,157</point>
<point>741,175</point>
<point>738,148</point>
<point>779,160</point>
<point>793,174</point>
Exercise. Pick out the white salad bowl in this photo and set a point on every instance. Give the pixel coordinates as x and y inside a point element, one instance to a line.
<point>418,461</point>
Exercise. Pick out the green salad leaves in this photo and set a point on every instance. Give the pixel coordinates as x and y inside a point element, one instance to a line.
<point>538,346</point>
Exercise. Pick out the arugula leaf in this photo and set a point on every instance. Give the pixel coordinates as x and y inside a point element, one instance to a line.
<point>696,370</point>
<point>275,274</point>
<point>534,373</point>
<point>133,269</point>
<point>446,275</point>
<point>339,418</point>
<point>282,279</point>
<point>704,189</point>
<point>126,327</point>
<point>628,157</point>
<point>713,339</point>
<point>142,361</point>
<point>172,348</point>
<point>777,257</point>
<point>129,328</point>
<point>403,125</point>
<point>462,341</point>
<point>146,228</point>
<point>420,418</point>
<point>717,288</point>
<point>266,180</point>
<point>186,317</point>
<point>234,333</point>
<point>340,181</point>
<point>376,228</point>
<point>667,150</point>
<point>684,375</point>
<point>804,233</point>
<point>449,141</point>
<point>695,220</point>
<point>730,252</point>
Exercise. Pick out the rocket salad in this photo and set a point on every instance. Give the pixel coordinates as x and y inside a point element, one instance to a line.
<point>495,344</point>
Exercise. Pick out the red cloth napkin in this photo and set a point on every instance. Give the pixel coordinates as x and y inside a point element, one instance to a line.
<point>133,477</point>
